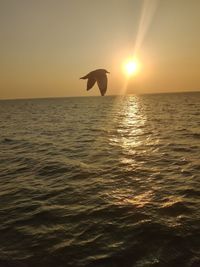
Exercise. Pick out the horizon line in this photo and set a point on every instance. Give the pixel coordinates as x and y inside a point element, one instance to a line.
<point>111,95</point>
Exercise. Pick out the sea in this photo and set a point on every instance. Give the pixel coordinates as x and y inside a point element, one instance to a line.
<point>108,181</point>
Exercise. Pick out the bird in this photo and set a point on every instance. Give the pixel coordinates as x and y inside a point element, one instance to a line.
<point>98,76</point>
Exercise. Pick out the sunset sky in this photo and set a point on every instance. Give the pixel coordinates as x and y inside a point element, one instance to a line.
<point>47,45</point>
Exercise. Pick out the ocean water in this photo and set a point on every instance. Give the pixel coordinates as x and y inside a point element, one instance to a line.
<point>100,181</point>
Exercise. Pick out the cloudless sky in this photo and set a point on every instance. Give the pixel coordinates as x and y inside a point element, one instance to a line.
<point>46,45</point>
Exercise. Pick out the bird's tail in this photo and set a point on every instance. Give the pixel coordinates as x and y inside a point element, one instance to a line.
<point>84,77</point>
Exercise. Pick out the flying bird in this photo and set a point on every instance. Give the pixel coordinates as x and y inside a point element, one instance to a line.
<point>98,76</point>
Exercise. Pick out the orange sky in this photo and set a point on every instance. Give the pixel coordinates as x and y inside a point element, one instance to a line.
<point>47,45</point>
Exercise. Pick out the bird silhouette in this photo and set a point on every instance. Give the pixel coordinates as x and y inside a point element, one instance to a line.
<point>98,76</point>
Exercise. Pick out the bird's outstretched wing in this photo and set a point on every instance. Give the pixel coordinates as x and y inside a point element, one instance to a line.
<point>102,84</point>
<point>90,83</point>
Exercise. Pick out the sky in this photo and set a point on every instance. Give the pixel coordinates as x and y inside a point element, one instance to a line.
<point>47,45</point>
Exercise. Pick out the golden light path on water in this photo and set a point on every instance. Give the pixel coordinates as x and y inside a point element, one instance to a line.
<point>130,136</point>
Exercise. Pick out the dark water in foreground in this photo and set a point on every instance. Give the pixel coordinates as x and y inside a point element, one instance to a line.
<point>100,181</point>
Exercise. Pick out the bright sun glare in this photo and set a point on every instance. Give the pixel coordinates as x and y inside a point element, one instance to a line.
<point>131,67</point>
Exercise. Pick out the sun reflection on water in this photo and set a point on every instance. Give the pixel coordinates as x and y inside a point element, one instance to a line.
<point>130,137</point>
<point>131,125</point>
<point>126,197</point>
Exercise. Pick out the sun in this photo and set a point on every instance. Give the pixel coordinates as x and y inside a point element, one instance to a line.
<point>131,67</point>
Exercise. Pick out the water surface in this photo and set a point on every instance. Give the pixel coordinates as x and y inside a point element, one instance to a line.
<point>100,181</point>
